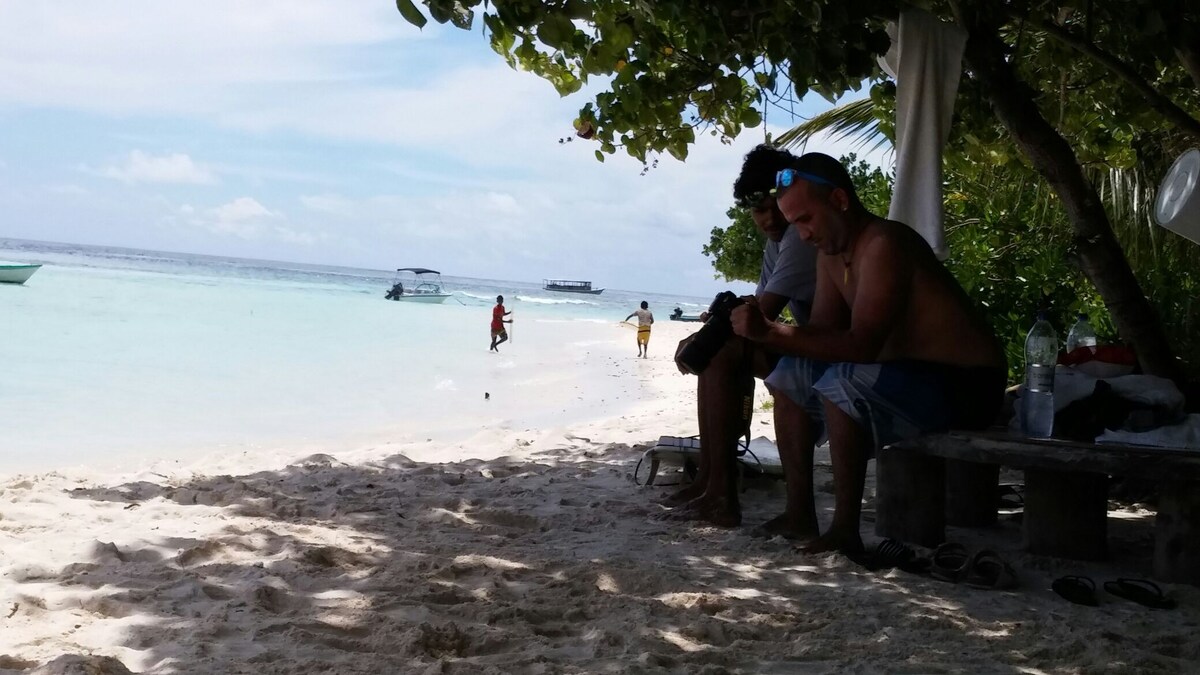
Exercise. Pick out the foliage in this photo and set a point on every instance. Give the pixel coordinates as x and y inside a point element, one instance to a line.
<point>736,250</point>
<point>677,68</point>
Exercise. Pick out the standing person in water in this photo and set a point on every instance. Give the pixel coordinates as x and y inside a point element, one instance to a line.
<point>499,335</point>
<point>645,318</point>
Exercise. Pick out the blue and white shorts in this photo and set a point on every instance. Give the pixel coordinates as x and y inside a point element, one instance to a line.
<point>894,400</point>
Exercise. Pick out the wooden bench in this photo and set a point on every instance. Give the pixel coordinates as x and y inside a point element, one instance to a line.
<point>923,483</point>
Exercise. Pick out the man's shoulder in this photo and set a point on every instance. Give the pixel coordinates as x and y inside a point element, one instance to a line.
<point>884,233</point>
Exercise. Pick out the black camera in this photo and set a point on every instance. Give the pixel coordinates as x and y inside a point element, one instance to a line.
<point>716,331</point>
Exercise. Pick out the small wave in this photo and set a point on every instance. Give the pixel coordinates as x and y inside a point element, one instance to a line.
<point>554,301</point>
<point>445,385</point>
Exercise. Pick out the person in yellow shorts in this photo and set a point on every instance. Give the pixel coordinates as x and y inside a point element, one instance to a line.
<point>645,318</point>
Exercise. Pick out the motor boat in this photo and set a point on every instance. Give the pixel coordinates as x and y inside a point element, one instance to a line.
<point>16,273</point>
<point>417,284</point>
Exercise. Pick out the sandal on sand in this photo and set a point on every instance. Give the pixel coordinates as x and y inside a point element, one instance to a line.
<point>891,553</point>
<point>1077,589</point>
<point>1011,496</point>
<point>989,570</point>
<point>950,562</point>
<point>1141,591</point>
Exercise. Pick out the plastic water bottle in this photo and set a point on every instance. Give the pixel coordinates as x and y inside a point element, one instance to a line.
<point>1081,334</point>
<point>1041,355</point>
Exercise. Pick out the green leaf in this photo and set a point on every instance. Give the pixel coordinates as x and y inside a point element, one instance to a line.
<point>411,14</point>
<point>556,30</point>
<point>600,156</point>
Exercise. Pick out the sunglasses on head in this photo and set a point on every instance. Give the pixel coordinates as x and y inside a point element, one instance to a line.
<point>787,177</point>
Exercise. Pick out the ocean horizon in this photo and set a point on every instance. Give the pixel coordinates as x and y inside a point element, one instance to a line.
<point>117,355</point>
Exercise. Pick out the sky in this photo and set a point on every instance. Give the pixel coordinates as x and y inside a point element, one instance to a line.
<point>333,132</point>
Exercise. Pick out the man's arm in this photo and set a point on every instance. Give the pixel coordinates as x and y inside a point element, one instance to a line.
<point>771,304</point>
<point>884,291</point>
<point>630,316</point>
<point>793,277</point>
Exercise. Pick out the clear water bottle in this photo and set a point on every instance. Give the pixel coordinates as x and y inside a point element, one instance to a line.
<point>1041,355</point>
<point>1081,334</point>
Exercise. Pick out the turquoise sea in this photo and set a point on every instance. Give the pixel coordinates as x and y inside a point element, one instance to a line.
<point>115,356</point>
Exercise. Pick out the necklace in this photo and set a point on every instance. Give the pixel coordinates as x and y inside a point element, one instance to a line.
<point>845,271</point>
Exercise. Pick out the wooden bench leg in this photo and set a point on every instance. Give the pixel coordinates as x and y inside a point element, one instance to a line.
<point>910,497</point>
<point>1177,533</point>
<point>972,491</point>
<point>1066,514</point>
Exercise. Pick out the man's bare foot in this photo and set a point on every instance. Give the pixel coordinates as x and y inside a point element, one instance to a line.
<point>787,527</point>
<point>833,540</point>
<point>714,510</point>
<point>720,512</point>
<point>687,494</point>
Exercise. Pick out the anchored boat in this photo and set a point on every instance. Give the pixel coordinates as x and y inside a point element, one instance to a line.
<point>16,273</point>
<point>569,286</point>
<point>418,284</point>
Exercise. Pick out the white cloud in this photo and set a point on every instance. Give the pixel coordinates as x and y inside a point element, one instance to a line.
<point>243,210</point>
<point>140,167</point>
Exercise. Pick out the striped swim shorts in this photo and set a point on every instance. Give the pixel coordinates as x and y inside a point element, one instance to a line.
<point>894,400</point>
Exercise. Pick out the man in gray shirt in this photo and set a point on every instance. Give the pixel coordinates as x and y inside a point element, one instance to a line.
<point>788,278</point>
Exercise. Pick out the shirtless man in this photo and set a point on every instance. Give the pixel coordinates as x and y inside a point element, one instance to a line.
<point>787,277</point>
<point>894,347</point>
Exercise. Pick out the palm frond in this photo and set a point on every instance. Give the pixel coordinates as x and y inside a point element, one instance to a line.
<point>854,120</point>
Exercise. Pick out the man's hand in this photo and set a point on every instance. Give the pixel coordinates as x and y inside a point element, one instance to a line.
<point>749,321</point>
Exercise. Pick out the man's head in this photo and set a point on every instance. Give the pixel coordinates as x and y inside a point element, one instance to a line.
<point>815,194</point>
<point>752,189</point>
<point>645,305</point>
<point>499,299</point>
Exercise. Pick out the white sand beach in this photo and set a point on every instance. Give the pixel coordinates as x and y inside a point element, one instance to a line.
<point>516,551</point>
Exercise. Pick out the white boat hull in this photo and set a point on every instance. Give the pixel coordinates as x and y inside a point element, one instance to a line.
<point>16,274</point>
<point>431,298</point>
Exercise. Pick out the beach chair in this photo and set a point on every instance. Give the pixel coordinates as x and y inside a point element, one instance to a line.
<point>757,457</point>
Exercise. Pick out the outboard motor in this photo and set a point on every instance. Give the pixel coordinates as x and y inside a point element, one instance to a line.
<point>396,292</point>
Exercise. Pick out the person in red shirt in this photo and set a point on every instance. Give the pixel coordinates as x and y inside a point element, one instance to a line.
<point>499,335</point>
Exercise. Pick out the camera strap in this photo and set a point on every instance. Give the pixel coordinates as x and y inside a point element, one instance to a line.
<point>746,381</point>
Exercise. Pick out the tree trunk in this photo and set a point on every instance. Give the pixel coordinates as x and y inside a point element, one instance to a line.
<point>1099,255</point>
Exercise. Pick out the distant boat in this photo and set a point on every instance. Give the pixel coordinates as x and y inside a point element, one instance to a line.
<point>418,284</point>
<point>568,286</point>
<point>16,273</point>
<point>678,315</point>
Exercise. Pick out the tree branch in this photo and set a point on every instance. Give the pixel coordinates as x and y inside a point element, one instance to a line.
<point>1165,106</point>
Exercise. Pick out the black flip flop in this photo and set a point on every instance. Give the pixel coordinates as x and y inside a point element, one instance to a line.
<point>950,562</point>
<point>1141,591</point>
<point>1077,589</point>
<point>891,553</point>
